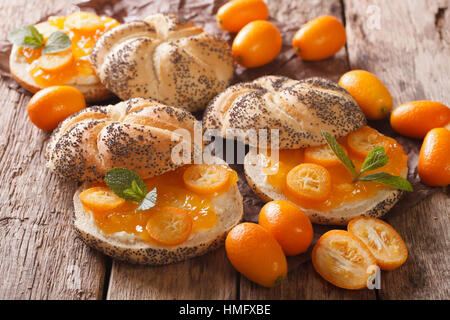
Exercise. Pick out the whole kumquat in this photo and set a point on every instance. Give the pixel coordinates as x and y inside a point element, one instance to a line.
<point>289,225</point>
<point>414,119</point>
<point>255,253</point>
<point>49,106</point>
<point>235,14</point>
<point>319,38</point>
<point>257,44</point>
<point>369,92</point>
<point>434,159</point>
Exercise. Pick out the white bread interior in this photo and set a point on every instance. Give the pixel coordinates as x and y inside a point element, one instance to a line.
<point>91,87</point>
<point>165,58</point>
<point>127,247</point>
<point>374,207</point>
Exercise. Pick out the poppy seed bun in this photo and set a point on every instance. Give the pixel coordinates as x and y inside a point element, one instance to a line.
<point>90,86</point>
<point>135,134</point>
<point>165,58</point>
<point>299,109</point>
<point>373,207</point>
<point>127,247</point>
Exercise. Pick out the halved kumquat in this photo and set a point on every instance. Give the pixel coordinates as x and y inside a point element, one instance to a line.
<point>55,62</point>
<point>100,199</point>
<point>361,141</point>
<point>322,155</point>
<point>309,181</point>
<point>206,178</point>
<point>343,260</point>
<point>84,21</point>
<point>169,225</point>
<point>382,240</point>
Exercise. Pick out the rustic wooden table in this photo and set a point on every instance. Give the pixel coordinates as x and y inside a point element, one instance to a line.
<point>406,43</point>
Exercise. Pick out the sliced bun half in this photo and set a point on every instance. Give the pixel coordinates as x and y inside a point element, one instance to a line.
<point>127,247</point>
<point>91,87</point>
<point>374,207</point>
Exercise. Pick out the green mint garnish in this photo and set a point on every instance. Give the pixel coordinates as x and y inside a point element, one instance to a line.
<point>389,180</point>
<point>30,37</point>
<point>27,36</point>
<point>339,152</point>
<point>58,41</point>
<point>128,185</point>
<point>376,158</point>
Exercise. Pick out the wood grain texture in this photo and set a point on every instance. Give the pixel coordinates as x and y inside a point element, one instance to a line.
<point>40,258</point>
<point>303,282</point>
<point>407,45</point>
<point>207,277</point>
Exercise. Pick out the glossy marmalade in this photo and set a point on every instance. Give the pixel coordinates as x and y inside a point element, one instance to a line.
<point>172,191</point>
<point>343,190</point>
<point>84,29</point>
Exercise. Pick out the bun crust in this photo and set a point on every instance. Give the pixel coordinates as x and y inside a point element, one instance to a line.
<point>136,134</point>
<point>92,89</point>
<point>374,207</point>
<point>228,207</point>
<point>165,58</point>
<point>299,109</point>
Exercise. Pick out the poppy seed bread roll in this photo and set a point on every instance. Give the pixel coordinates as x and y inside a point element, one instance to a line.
<point>165,58</point>
<point>299,109</point>
<point>134,134</point>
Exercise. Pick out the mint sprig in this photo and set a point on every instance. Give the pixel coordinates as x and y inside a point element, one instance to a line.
<point>58,41</point>
<point>30,37</point>
<point>27,36</point>
<point>376,158</point>
<point>128,185</point>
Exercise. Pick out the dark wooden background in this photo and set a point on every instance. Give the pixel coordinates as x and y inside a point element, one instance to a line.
<point>406,43</point>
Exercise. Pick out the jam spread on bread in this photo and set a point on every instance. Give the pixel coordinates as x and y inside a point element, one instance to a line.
<point>84,29</point>
<point>343,190</point>
<point>112,214</point>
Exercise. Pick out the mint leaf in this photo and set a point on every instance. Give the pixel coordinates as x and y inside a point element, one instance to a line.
<point>149,200</point>
<point>375,159</point>
<point>121,182</point>
<point>339,152</point>
<point>27,36</point>
<point>389,180</point>
<point>58,41</point>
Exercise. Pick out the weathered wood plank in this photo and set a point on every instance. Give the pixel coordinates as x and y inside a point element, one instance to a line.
<point>407,45</point>
<point>207,277</point>
<point>39,257</point>
<point>303,282</point>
